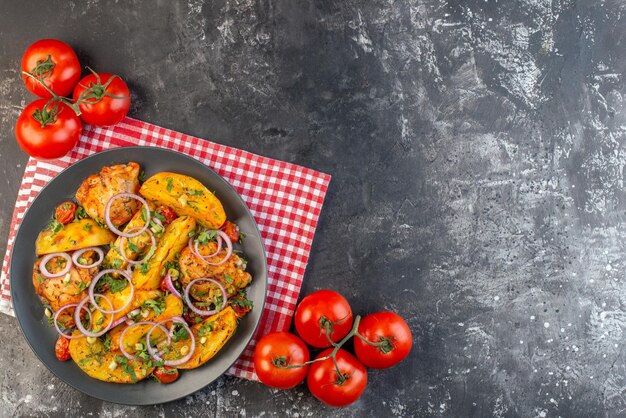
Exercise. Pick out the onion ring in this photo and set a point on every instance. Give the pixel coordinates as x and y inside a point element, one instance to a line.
<point>44,271</point>
<point>107,217</point>
<point>194,248</point>
<point>80,325</point>
<point>56,319</point>
<point>126,353</point>
<point>78,253</point>
<point>181,360</point>
<point>200,311</point>
<point>170,286</point>
<point>123,253</point>
<point>92,286</point>
<point>229,250</point>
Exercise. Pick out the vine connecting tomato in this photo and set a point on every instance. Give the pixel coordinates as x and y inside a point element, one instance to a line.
<point>275,354</point>
<point>52,62</point>
<point>386,340</point>
<point>47,130</point>
<point>322,312</point>
<point>103,99</point>
<point>337,383</point>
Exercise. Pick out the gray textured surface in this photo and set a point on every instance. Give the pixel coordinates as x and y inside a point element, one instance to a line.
<point>477,150</point>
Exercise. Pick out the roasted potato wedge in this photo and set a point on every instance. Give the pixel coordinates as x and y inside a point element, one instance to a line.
<point>113,259</point>
<point>187,196</point>
<point>74,236</point>
<point>216,331</point>
<point>171,243</point>
<point>97,361</point>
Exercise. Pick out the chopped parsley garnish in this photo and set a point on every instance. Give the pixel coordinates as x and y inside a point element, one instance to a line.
<point>116,263</point>
<point>190,203</point>
<point>142,176</point>
<point>169,184</point>
<point>114,285</point>
<point>80,214</point>
<point>126,368</point>
<point>205,329</point>
<point>106,341</point>
<point>158,216</point>
<point>205,237</point>
<point>144,267</point>
<point>55,226</point>
<point>192,192</point>
<point>87,227</point>
<point>133,247</point>
<point>180,333</point>
<point>157,305</point>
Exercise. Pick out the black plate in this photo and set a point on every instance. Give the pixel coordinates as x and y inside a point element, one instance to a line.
<point>30,312</point>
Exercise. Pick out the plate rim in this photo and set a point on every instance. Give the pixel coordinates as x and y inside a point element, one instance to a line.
<point>121,386</point>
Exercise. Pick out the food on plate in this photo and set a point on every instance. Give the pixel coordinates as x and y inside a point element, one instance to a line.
<point>186,196</point>
<point>135,287</point>
<point>103,99</point>
<point>47,130</point>
<point>52,62</point>
<point>96,192</point>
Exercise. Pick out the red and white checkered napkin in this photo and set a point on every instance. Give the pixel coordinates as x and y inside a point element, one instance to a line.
<point>284,198</point>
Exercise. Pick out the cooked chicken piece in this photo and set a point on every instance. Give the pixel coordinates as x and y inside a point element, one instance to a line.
<point>96,190</point>
<point>231,274</point>
<point>59,291</point>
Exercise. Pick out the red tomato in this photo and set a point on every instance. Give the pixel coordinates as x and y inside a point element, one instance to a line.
<point>53,62</point>
<point>163,286</point>
<point>167,212</point>
<point>231,230</point>
<point>64,213</point>
<point>279,349</point>
<point>324,307</point>
<point>388,329</point>
<point>337,388</point>
<point>104,99</point>
<point>47,133</point>
<point>165,374</point>
<point>62,349</point>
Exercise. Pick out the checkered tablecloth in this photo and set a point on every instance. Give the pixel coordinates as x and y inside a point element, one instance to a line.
<point>285,199</point>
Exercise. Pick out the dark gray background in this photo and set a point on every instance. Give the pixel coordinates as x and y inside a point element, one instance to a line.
<point>477,150</point>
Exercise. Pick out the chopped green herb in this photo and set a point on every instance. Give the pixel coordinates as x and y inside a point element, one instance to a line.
<point>205,237</point>
<point>157,305</point>
<point>205,329</point>
<point>144,213</point>
<point>55,226</point>
<point>241,237</point>
<point>191,233</point>
<point>106,341</point>
<point>73,242</point>
<point>87,227</point>
<point>192,192</point>
<point>133,247</point>
<point>144,268</point>
<point>116,263</point>
<point>81,286</point>
<point>142,176</point>
<point>169,184</point>
<point>180,333</point>
<point>80,214</point>
<point>228,278</point>
<point>114,285</point>
<point>190,203</point>
<point>67,206</point>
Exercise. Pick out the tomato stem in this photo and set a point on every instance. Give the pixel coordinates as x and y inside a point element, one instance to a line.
<point>64,100</point>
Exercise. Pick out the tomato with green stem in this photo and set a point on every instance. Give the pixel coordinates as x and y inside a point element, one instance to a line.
<point>52,62</point>
<point>337,381</point>
<point>277,358</point>
<point>47,129</point>
<point>103,99</point>
<point>323,316</point>
<point>383,340</point>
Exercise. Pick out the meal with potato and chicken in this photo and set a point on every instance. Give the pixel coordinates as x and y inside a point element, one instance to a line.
<point>141,278</point>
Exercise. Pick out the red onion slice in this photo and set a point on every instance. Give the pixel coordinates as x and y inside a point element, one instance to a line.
<point>126,353</point>
<point>92,286</point>
<point>229,250</point>
<point>193,247</point>
<point>118,321</point>
<point>79,324</point>
<point>170,286</point>
<point>78,253</point>
<point>200,311</point>
<point>56,319</point>
<point>107,217</point>
<point>123,253</point>
<point>44,271</point>
<point>156,356</point>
